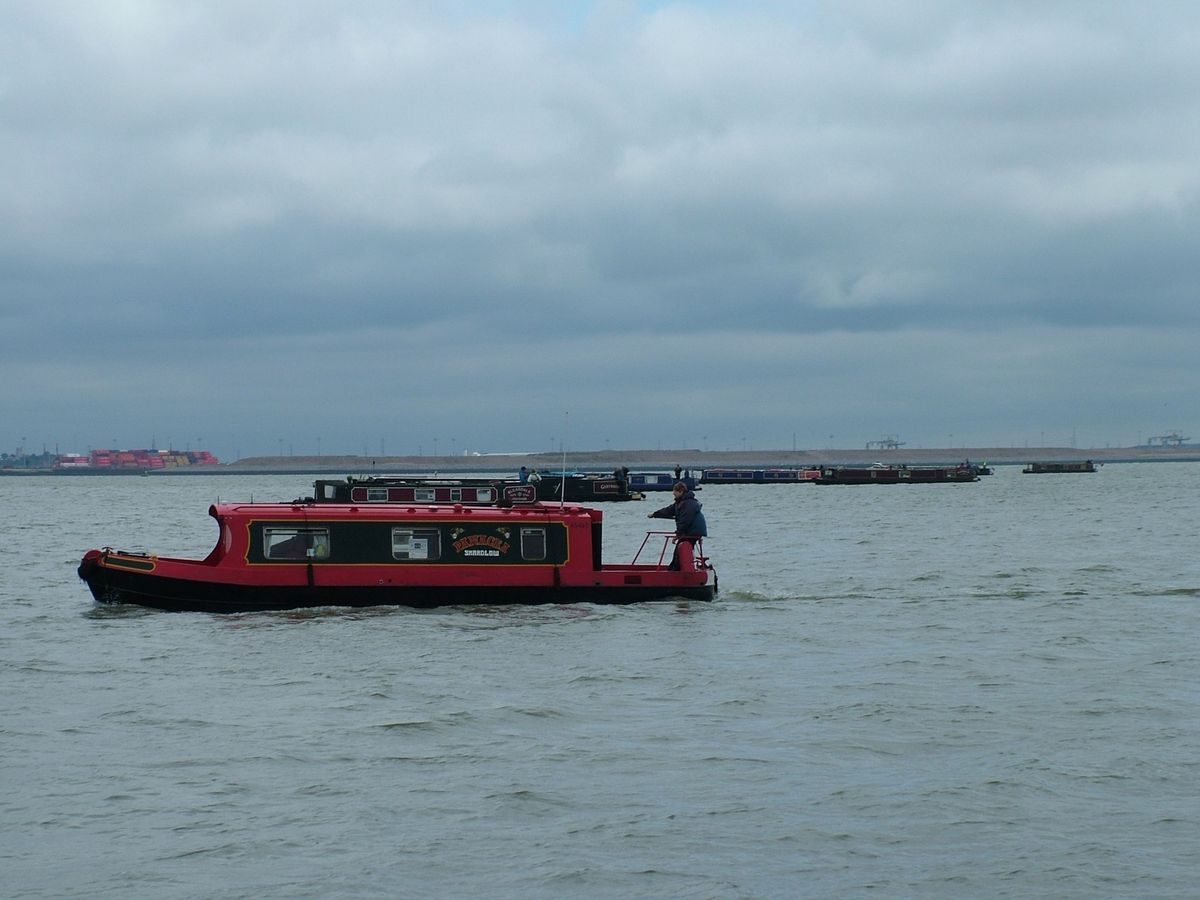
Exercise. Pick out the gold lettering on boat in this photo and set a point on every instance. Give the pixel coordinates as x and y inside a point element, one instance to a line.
<point>481,541</point>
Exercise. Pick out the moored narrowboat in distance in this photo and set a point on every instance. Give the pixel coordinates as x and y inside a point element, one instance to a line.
<point>759,476</point>
<point>790,476</point>
<point>1054,468</point>
<point>279,556</point>
<point>661,481</point>
<point>582,487</point>
<point>881,474</point>
<point>731,476</point>
<point>419,489</point>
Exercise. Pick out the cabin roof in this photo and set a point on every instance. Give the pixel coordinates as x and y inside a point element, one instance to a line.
<point>450,512</point>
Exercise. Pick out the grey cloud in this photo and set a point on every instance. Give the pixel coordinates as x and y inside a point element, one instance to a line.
<point>215,178</point>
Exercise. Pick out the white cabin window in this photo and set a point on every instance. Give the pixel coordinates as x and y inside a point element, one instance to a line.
<point>421,544</point>
<point>296,543</point>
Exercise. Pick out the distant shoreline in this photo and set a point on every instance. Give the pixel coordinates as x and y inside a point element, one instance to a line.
<point>652,460</point>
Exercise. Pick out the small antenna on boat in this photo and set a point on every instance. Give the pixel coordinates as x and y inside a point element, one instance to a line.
<point>562,495</point>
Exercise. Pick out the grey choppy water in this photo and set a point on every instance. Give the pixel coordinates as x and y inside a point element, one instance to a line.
<point>934,691</point>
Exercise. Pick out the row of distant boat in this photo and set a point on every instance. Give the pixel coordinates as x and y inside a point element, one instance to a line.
<point>879,473</point>
<point>427,542</point>
<point>625,485</point>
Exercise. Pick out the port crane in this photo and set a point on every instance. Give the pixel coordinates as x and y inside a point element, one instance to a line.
<point>1173,439</point>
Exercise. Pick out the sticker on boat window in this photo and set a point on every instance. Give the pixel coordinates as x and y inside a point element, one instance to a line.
<point>420,544</point>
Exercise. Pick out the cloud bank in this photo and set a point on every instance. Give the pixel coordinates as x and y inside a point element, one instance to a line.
<point>676,223</point>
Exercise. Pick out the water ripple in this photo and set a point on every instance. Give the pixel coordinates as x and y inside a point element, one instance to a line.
<point>917,694</point>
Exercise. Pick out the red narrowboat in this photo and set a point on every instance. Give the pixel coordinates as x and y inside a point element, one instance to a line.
<point>276,556</point>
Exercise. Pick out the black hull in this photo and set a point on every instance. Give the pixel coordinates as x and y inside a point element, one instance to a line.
<point>177,595</point>
<point>1058,469</point>
<point>897,481</point>
<point>893,480</point>
<point>900,475</point>
<point>755,476</point>
<point>550,490</point>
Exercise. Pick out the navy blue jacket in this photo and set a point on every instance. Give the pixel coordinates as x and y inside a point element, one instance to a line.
<point>686,512</point>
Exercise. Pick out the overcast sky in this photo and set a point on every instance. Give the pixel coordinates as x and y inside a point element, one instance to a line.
<point>389,226</point>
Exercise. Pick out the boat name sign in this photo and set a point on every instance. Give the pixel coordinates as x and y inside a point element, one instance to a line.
<point>481,545</point>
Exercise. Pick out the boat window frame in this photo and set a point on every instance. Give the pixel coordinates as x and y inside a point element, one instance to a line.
<point>316,542</point>
<point>424,532</point>
<point>530,533</point>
